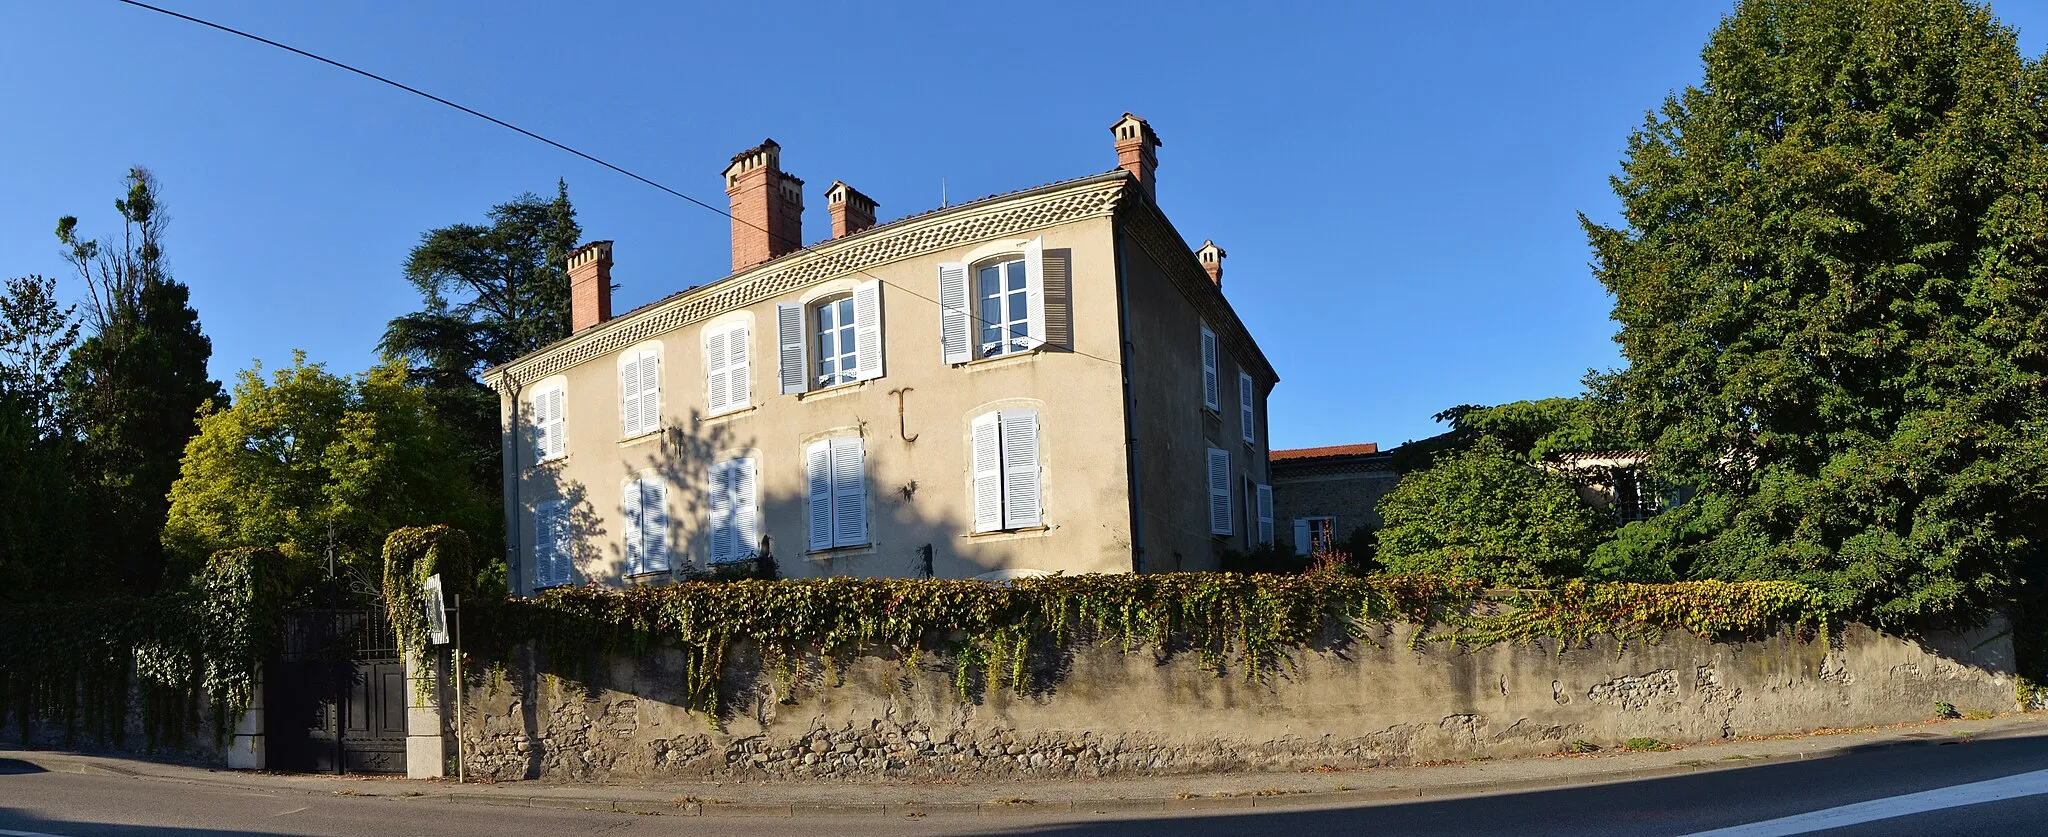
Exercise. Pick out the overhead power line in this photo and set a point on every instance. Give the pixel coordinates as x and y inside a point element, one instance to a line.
<point>800,246</point>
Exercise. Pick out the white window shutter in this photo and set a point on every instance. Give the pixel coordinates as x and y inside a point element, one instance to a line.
<point>1247,414</point>
<point>653,526</point>
<point>791,360</point>
<point>631,507</point>
<point>629,398</point>
<point>742,485</point>
<point>558,440</point>
<point>867,330</point>
<point>1211,386</point>
<point>650,391</point>
<point>738,393</point>
<point>818,467</point>
<point>1300,536</point>
<point>550,548</point>
<point>1020,469</point>
<point>988,473</point>
<point>716,358</point>
<point>849,493</point>
<point>718,497</point>
<point>956,327</point>
<point>542,444</point>
<point>1219,492</point>
<point>1034,290</point>
<point>1265,493</point>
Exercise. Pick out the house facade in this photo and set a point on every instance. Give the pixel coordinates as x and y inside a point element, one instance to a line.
<point>1325,495</point>
<point>1048,380</point>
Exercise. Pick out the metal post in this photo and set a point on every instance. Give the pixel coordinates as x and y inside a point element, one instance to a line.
<point>458,690</point>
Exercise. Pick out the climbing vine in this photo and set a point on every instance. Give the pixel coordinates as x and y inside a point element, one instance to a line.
<point>411,555</point>
<point>994,632</point>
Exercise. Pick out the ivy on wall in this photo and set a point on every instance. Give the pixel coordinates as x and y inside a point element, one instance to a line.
<point>411,556</point>
<point>991,632</point>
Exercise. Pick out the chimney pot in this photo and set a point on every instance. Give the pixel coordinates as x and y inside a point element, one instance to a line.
<point>1134,143</point>
<point>590,285</point>
<point>1211,257</point>
<point>851,210</point>
<point>767,206</point>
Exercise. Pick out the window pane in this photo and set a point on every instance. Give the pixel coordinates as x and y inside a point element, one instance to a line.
<point>825,344</point>
<point>991,280</point>
<point>1016,275</point>
<point>845,307</point>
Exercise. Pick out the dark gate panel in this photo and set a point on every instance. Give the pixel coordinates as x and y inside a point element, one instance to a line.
<point>336,701</point>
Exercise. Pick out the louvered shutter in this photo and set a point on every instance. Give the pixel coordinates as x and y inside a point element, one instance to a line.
<point>630,507</point>
<point>1020,469</point>
<point>718,496</point>
<point>539,424</point>
<point>650,391</point>
<point>629,398</point>
<point>818,467</point>
<point>867,330</point>
<point>1034,290</point>
<point>1265,494</point>
<point>738,391</point>
<point>988,473</point>
<point>956,328</point>
<point>653,526</point>
<point>1219,492</point>
<point>717,359</point>
<point>791,362</point>
<point>1301,536</point>
<point>550,552</point>
<point>741,487</point>
<point>1247,415</point>
<point>849,494</point>
<point>558,440</point>
<point>1211,386</point>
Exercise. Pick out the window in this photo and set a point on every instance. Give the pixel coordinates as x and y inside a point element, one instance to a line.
<point>838,498</point>
<point>992,308</point>
<point>735,523</point>
<point>551,564</point>
<point>1247,414</point>
<point>843,333</point>
<point>639,392</point>
<point>644,506</point>
<point>1212,384</point>
<point>1314,534</point>
<point>1264,515</point>
<point>1219,492</point>
<point>548,439</point>
<point>725,366</point>
<point>1006,471</point>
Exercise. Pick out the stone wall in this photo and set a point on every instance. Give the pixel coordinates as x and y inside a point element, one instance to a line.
<point>1105,712</point>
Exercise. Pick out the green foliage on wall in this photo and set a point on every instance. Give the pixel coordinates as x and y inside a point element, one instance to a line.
<point>411,556</point>
<point>992,633</point>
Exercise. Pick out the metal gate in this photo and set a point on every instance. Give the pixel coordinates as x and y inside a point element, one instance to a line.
<point>336,701</point>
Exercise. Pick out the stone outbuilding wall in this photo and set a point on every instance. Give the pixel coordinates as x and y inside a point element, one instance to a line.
<point>1103,712</point>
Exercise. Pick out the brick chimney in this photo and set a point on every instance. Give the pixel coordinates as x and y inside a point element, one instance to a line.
<point>767,206</point>
<point>1211,257</point>
<point>1134,154</point>
<point>590,285</point>
<point>851,210</point>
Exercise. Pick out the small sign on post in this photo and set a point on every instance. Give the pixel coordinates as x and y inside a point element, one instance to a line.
<point>437,611</point>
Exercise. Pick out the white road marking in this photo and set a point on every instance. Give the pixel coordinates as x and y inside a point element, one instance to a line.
<point>1956,796</point>
<point>6,833</point>
<point>290,812</point>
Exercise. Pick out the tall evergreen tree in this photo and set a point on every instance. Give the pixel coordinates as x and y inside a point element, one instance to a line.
<point>38,519</point>
<point>1832,287</point>
<point>136,384</point>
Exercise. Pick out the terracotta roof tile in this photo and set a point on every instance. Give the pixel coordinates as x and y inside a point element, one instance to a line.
<point>1365,449</point>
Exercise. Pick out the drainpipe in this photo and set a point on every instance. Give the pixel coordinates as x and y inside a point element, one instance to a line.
<point>1135,477</point>
<point>511,459</point>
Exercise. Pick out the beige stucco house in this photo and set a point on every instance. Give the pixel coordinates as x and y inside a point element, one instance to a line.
<point>1049,380</point>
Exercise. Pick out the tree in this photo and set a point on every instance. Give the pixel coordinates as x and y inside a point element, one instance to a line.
<point>1483,513</point>
<point>1830,286</point>
<point>309,462</point>
<point>36,335</point>
<point>38,521</point>
<point>136,384</point>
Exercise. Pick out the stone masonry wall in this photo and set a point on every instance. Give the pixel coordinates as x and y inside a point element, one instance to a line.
<point>1108,712</point>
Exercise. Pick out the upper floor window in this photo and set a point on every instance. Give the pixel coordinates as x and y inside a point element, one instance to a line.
<point>834,341</point>
<point>548,425</point>
<point>993,308</point>
<point>639,392</point>
<point>1247,414</point>
<point>725,368</point>
<point>1212,380</point>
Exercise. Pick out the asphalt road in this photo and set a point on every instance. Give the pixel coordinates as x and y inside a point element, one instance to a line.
<point>1989,787</point>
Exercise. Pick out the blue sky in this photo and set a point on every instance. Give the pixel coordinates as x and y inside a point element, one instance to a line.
<point>1396,183</point>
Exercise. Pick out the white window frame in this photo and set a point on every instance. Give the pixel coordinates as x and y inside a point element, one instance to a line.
<point>733,511</point>
<point>960,315</point>
<point>799,336</point>
<point>640,397</point>
<point>553,559</point>
<point>1008,470</point>
<point>1212,379</point>
<point>836,478</point>
<point>846,348</point>
<point>727,367</point>
<point>550,426</point>
<point>643,506</point>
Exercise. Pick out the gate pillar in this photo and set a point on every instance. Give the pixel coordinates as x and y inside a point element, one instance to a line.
<point>247,749</point>
<point>425,748</point>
